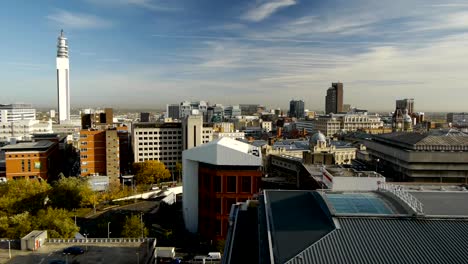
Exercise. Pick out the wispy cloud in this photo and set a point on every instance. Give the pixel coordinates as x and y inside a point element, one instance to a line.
<point>146,4</point>
<point>78,20</point>
<point>263,10</point>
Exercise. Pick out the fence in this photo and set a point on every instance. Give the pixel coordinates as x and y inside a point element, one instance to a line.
<point>98,240</point>
<point>403,195</point>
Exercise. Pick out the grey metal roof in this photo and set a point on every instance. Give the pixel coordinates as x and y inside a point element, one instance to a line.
<point>443,203</point>
<point>390,240</point>
<point>423,141</point>
<point>296,219</point>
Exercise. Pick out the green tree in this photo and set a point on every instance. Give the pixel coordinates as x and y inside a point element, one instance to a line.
<point>57,222</point>
<point>134,227</point>
<point>150,171</point>
<point>68,193</point>
<point>19,225</point>
<point>22,195</point>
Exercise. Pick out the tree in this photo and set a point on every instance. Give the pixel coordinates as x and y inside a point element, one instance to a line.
<point>22,195</point>
<point>68,193</point>
<point>150,171</point>
<point>18,225</point>
<point>57,222</point>
<point>134,227</point>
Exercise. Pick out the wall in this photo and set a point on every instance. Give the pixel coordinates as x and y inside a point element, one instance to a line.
<point>356,183</point>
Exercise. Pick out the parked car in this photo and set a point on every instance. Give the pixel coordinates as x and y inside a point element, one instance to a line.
<point>57,261</point>
<point>73,251</point>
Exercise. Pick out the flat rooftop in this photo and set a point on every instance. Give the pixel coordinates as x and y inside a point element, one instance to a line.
<point>38,145</point>
<point>443,203</point>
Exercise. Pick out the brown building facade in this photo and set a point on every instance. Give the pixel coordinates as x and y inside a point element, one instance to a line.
<point>93,152</point>
<point>219,188</point>
<point>334,99</point>
<point>100,152</point>
<point>32,160</point>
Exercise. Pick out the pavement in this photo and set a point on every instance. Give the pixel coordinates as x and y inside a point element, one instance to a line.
<point>129,253</point>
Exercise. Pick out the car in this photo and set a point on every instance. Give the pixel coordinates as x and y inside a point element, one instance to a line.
<point>57,261</point>
<point>73,251</point>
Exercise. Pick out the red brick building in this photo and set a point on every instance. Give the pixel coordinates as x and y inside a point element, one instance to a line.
<point>32,160</point>
<point>215,176</point>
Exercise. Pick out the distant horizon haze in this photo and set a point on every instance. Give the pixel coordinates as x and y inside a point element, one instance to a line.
<point>150,53</point>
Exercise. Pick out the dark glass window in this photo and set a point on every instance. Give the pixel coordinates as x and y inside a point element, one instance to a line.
<point>246,184</point>
<point>217,184</point>
<point>231,184</point>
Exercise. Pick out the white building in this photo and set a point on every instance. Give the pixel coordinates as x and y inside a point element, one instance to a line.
<point>336,123</point>
<point>187,108</point>
<point>24,129</point>
<point>220,152</point>
<point>195,132</point>
<point>233,135</point>
<point>63,78</point>
<point>165,141</point>
<point>16,112</point>
<point>267,126</point>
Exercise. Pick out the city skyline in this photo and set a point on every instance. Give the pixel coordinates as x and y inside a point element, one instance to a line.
<point>153,53</point>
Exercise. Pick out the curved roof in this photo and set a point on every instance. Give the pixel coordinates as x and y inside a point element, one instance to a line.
<point>318,137</point>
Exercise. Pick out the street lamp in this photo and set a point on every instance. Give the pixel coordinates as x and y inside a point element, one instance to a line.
<point>66,257</point>
<point>86,240</point>
<point>376,164</point>
<point>108,229</point>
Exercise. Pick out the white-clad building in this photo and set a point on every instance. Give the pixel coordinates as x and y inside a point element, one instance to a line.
<point>165,141</point>
<point>16,112</point>
<point>215,176</point>
<point>24,129</point>
<point>267,126</point>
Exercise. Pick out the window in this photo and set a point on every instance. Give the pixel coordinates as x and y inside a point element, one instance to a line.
<point>217,184</point>
<point>219,227</point>
<point>218,208</point>
<point>231,184</point>
<point>229,203</point>
<point>246,183</point>
<point>207,182</point>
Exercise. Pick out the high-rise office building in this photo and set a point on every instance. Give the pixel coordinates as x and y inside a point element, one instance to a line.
<point>407,104</point>
<point>63,79</point>
<point>334,99</point>
<point>296,108</point>
<point>173,111</point>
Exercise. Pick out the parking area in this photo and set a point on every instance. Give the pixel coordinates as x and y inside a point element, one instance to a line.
<point>94,254</point>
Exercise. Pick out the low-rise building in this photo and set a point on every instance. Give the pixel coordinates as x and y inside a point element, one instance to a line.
<point>32,160</point>
<point>437,156</point>
<point>334,124</point>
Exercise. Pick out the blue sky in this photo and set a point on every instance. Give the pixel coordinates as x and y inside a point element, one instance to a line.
<point>147,53</point>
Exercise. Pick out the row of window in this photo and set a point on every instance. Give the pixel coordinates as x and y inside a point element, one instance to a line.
<point>231,184</point>
<point>162,143</point>
<point>28,155</point>
<point>161,148</point>
<point>159,138</point>
<point>159,132</point>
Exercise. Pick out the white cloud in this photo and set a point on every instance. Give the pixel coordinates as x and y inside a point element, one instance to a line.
<point>68,19</point>
<point>264,10</point>
<point>147,4</point>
